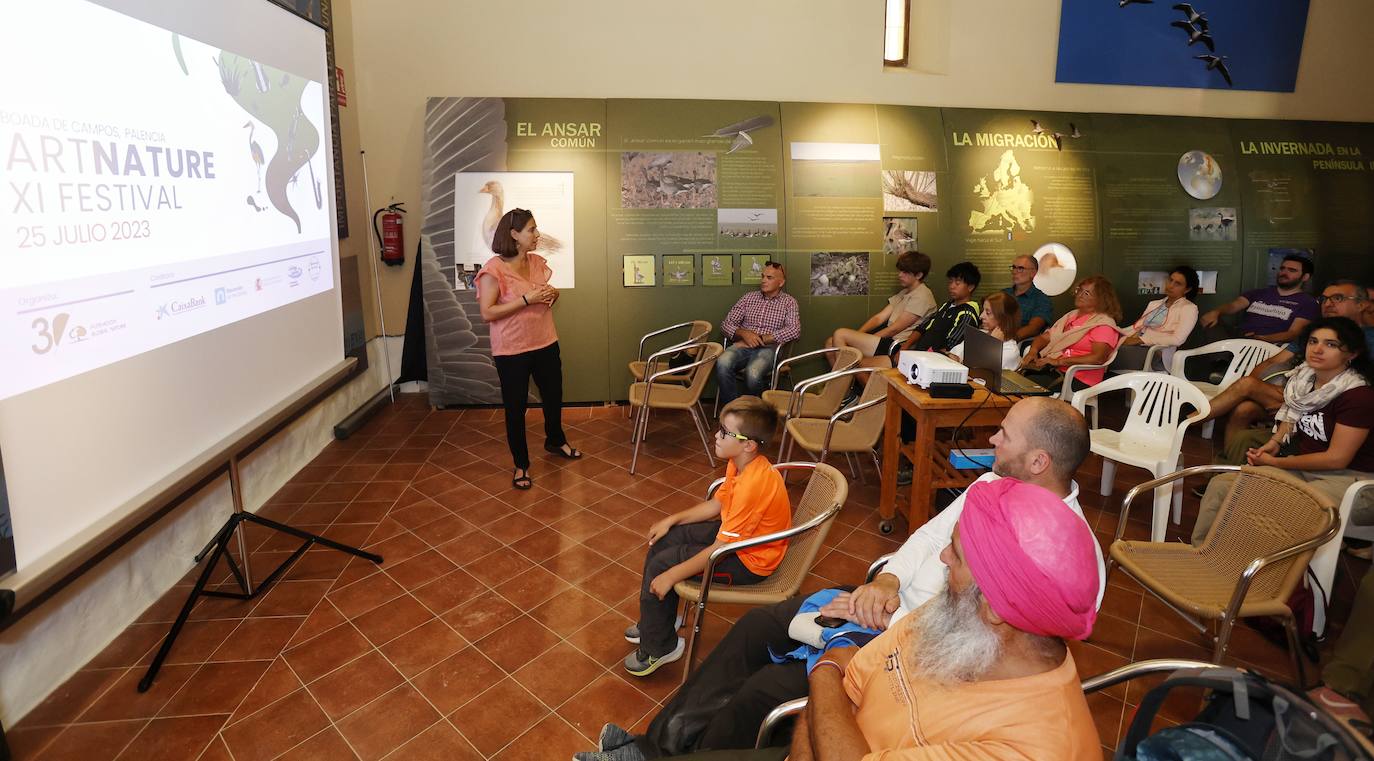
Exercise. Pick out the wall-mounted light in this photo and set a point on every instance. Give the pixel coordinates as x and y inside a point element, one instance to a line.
<point>897,20</point>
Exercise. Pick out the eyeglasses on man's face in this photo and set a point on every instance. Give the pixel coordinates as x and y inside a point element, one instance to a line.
<point>1338,298</point>
<point>1020,268</point>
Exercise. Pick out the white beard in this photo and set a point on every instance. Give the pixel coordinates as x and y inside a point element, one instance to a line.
<point>953,642</point>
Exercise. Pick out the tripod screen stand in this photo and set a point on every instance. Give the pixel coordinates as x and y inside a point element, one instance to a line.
<point>218,548</point>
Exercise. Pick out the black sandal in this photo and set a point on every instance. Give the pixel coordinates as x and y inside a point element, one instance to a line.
<point>573,454</point>
<point>523,483</point>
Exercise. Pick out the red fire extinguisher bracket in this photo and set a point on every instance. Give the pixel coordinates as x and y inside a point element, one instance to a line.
<point>391,233</point>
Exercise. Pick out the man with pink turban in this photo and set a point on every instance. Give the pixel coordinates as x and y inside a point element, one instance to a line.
<point>981,671</point>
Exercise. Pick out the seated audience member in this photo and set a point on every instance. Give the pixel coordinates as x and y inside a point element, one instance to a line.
<point>944,328</point>
<point>1042,441</point>
<point>1001,315</point>
<point>1322,436</point>
<point>1255,398</point>
<point>1085,336</point>
<point>1036,311</point>
<point>1166,322</point>
<point>755,328</point>
<point>752,502</point>
<point>981,671</point>
<point>1347,689</point>
<point>895,322</point>
<point>1276,313</point>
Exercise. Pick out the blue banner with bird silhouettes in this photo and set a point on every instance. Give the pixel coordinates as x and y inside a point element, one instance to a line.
<point>1217,44</point>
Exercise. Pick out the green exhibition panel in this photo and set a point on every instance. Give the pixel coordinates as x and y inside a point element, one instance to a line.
<point>1305,186</point>
<point>1022,179</point>
<point>1150,222</point>
<point>657,212</point>
<point>690,207</point>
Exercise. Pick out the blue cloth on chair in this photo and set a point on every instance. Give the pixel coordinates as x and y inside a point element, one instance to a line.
<point>815,639</point>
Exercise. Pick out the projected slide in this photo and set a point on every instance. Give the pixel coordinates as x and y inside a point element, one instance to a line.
<point>152,188</point>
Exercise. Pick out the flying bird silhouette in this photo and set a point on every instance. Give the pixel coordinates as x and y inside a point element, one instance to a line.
<point>1217,62</point>
<point>1073,131</point>
<point>1058,140</point>
<point>1193,16</point>
<point>740,132</point>
<point>1195,35</point>
<point>1036,129</point>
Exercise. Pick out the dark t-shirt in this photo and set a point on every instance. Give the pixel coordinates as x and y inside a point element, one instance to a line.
<point>1270,312</point>
<point>1354,408</point>
<point>944,328</point>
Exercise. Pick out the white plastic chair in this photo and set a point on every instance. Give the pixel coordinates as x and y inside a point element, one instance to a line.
<point>1152,436</point>
<point>1326,558</point>
<point>1246,354</point>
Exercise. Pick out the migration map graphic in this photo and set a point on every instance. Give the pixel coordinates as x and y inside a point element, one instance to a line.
<point>1006,198</point>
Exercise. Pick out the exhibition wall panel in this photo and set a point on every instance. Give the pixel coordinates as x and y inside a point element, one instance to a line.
<point>673,206</point>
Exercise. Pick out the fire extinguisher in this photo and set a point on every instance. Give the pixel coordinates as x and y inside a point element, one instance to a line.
<point>391,234</point>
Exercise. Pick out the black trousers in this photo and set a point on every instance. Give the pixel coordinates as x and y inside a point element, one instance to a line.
<point>657,635</point>
<point>545,366</point>
<point>724,701</point>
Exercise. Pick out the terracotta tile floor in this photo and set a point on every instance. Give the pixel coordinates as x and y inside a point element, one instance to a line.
<point>493,629</point>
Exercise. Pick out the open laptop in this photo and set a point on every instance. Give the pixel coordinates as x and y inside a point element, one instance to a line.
<point>983,355</point>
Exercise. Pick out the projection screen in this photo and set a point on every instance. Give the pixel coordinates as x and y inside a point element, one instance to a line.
<point>168,248</point>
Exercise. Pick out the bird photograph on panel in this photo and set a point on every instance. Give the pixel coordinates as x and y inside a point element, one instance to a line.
<point>1216,44</point>
<point>667,180</point>
<point>481,198</point>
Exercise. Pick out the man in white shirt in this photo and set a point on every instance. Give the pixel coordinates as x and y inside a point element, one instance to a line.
<point>1042,441</point>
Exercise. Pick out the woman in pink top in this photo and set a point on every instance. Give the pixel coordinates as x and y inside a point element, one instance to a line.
<point>1085,336</point>
<point>517,302</point>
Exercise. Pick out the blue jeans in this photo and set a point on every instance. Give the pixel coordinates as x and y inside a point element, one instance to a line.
<point>757,364</point>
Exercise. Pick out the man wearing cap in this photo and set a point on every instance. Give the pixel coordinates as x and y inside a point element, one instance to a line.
<point>981,671</point>
<point>1041,441</point>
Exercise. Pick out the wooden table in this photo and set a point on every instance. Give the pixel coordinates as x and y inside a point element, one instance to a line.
<point>930,464</point>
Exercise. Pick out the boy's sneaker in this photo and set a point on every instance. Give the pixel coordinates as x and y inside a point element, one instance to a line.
<point>613,737</point>
<point>640,663</point>
<point>632,631</point>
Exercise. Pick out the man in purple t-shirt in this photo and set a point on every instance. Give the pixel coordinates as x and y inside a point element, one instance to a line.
<point>1275,314</point>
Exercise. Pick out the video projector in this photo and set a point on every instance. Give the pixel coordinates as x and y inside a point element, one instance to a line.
<point>926,367</point>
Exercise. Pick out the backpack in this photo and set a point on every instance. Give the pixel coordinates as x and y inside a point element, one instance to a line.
<point>1244,717</point>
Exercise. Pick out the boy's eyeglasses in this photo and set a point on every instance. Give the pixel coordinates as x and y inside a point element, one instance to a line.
<point>721,433</point>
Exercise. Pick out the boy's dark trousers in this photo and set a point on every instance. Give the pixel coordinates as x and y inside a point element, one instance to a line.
<point>657,635</point>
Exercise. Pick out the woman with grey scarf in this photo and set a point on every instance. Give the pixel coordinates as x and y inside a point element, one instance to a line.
<point>1322,431</point>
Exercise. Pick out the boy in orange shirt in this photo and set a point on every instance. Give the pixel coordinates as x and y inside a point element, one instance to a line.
<point>752,502</point>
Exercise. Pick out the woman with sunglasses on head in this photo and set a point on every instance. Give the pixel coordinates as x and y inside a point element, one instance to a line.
<point>1166,322</point>
<point>517,301</point>
<point>1085,336</point>
<point>1322,430</point>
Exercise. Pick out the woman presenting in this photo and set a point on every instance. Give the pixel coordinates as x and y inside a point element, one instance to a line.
<point>517,301</point>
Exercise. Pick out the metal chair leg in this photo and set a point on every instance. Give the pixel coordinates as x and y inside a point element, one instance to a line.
<point>641,426</point>
<point>849,458</point>
<point>1228,622</point>
<point>701,431</point>
<point>698,615</point>
<point>1290,626</point>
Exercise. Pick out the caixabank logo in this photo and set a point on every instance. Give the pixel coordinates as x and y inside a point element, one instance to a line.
<point>177,307</point>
